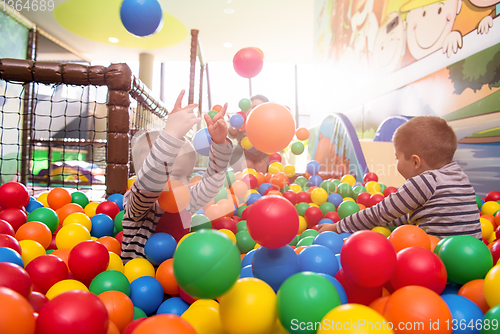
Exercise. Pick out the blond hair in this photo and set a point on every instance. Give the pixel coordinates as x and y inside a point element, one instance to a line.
<point>429,137</point>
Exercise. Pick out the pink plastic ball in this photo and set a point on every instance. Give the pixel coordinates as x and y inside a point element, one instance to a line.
<point>248,62</point>
<point>13,195</point>
<point>87,259</point>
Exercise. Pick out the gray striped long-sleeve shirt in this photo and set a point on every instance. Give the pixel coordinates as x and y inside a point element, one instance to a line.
<point>142,211</point>
<point>442,202</point>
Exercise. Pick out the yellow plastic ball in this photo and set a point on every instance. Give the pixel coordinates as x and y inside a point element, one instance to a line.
<point>344,314</point>
<point>486,227</point>
<point>313,204</point>
<point>491,284</point>
<point>42,198</point>
<point>183,238</point>
<point>492,238</point>
<point>115,262</point>
<point>382,230</point>
<point>65,286</point>
<point>248,171</point>
<point>30,249</point>
<point>78,218</point>
<point>289,171</point>
<point>279,329</point>
<point>372,187</point>
<point>302,225</point>
<point>245,143</point>
<point>136,268</point>
<point>206,302</point>
<point>349,179</point>
<point>349,199</point>
<point>490,208</point>
<point>71,235</point>
<point>319,196</point>
<point>204,319</point>
<point>256,246</point>
<point>131,181</point>
<point>249,304</point>
<point>275,167</point>
<point>230,234</point>
<point>296,188</point>
<point>90,209</point>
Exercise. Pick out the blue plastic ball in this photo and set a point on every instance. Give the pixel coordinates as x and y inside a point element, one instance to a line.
<point>318,259</point>
<point>252,198</point>
<point>451,288</point>
<point>464,312</point>
<point>236,121</point>
<point>263,187</point>
<point>315,181</point>
<point>274,266</point>
<point>118,199</point>
<point>330,240</point>
<point>325,221</point>
<point>200,212</point>
<point>247,259</point>
<point>313,167</point>
<point>10,255</point>
<point>141,17</point>
<point>160,247</point>
<point>338,286</point>
<point>33,204</point>
<point>174,305</point>
<point>335,199</point>
<point>345,235</point>
<point>246,272</point>
<point>202,142</point>
<point>146,293</point>
<point>102,225</point>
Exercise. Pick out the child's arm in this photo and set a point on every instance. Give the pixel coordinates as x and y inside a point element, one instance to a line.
<point>391,210</point>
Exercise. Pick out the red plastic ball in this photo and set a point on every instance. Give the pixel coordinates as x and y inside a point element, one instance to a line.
<point>16,278</point>
<point>495,251</point>
<point>333,215</point>
<point>368,258</point>
<point>303,197</point>
<point>364,198</point>
<point>47,270</point>
<point>245,212</point>
<point>492,196</point>
<point>75,312</point>
<point>9,241</point>
<point>88,259</point>
<point>370,177</point>
<point>133,325</point>
<point>38,300</point>
<point>177,224</point>
<point>225,223</point>
<point>291,196</point>
<point>356,293</point>
<point>497,232</point>
<point>313,215</point>
<point>248,62</point>
<point>389,190</point>
<point>419,266</point>
<point>375,199</point>
<point>250,180</point>
<point>109,208</point>
<point>15,217</point>
<point>119,236</point>
<point>275,157</point>
<point>13,195</point>
<point>273,221</point>
<point>6,228</point>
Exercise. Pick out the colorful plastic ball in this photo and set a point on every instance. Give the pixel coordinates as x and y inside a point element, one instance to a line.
<point>372,187</point>
<point>319,196</point>
<point>45,215</point>
<point>382,230</point>
<point>35,231</point>
<point>297,148</point>
<point>15,217</point>
<point>247,259</point>
<point>333,215</point>
<point>47,270</point>
<point>9,241</point>
<point>335,199</point>
<point>16,278</point>
<point>275,157</point>
<point>370,177</point>
<point>349,179</point>
<point>160,247</point>
<point>204,318</point>
<point>314,181</point>
<point>138,267</point>
<point>308,233</point>
<point>6,228</point>
<point>245,104</point>
<point>313,167</point>
<point>315,295</point>
<point>78,218</point>
<point>409,236</point>
<point>340,289</point>
<point>206,264</point>
<point>146,293</point>
<point>474,290</point>
<point>71,235</point>
<point>158,323</point>
<point>16,313</point>
<point>58,197</point>
<point>79,198</point>
<point>291,196</point>
<point>318,259</point>
<point>30,250</point>
<point>331,240</point>
<point>306,241</point>
<point>33,204</point>
<point>174,305</point>
<point>11,256</point>
<point>102,225</point>
<point>464,251</point>
<point>64,286</point>
<point>264,187</point>
<point>375,199</point>
<point>90,209</point>
<point>68,209</point>
<point>270,127</point>
<point>109,208</point>
<point>212,113</point>
<point>490,208</point>
<point>246,272</point>
<point>199,222</point>
<point>302,134</point>
<point>491,291</point>
<point>368,258</point>
<point>165,275</point>
<point>87,259</point>
<point>357,293</point>
<point>175,198</point>
<point>279,180</point>
<point>13,195</point>
<point>251,182</point>
<point>289,171</point>
<point>340,318</point>
<point>248,62</point>
<point>236,121</point>
<point>347,208</point>
<point>303,197</point>
<point>244,241</point>
<point>202,142</point>
<point>344,190</point>
<point>327,207</point>
<point>110,280</point>
<point>464,311</point>
<point>491,320</point>
<point>141,18</point>
<point>249,307</point>
<point>119,307</point>
<point>313,215</point>
<point>37,300</point>
<point>274,266</point>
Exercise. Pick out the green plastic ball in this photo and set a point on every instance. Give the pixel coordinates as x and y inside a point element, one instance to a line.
<point>241,226</point>
<point>301,181</point>
<point>479,202</point>
<point>245,104</point>
<point>45,215</point>
<point>240,209</point>
<point>207,264</point>
<point>382,187</point>
<point>357,190</point>
<point>199,222</point>
<point>229,179</point>
<point>110,280</point>
<point>80,198</point>
<point>465,258</point>
<point>212,114</point>
<point>336,182</point>
<point>138,313</point>
<point>305,297</point>
<point>301,208</point>
<point>344,190</point>
<point>329,186</point>
<point>491,321</point>
<point>305,241</point>
<point>297,148</point>
<point>48,251</point>
<point>294,241</point>
<point>308,233</point>
<point>347,208</point>
<point>439,244</point>
<point>118,221</point>
<point>221,195</point>
<point>244,241</point>
<point>327,207</point>
<point>285,188</point>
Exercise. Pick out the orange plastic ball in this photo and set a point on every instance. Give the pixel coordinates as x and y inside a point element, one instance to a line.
<point>175,198</point>
<point>16,313</point>
<point>68,209</point>
<point>238,176</point>
<point>434,241</point>
<point>165,275</point>
<point>217,107</point>
<point>227,205</point>
<point>195,179</point>
<point>275,192</point>
<point>163,323</point>
<point>474,290</point>
<point>302,134</point>
<point>111,244</point>
<point>409,236</point>
<point>58,197</point>
<point>310,190</point>
<point>63,254</point>
<point>119,306</point>
<point>299,249</point>
<point>239,188</point>
<point>112,329</point>
<point>415,305</point>
<point>379,304</point>
<point>279,180</point>
<point>270,127</point>
<point>215,211</point>
<point>267,177</point>
<point>35,231</point>
<point>260,178</point>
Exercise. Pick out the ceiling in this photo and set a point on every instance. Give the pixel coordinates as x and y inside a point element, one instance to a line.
<point>282,29</point>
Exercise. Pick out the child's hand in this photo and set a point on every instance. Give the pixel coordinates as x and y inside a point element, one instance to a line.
<point>328,227</point>
<point>217,127</point>
<point>181,120</point>
<point>178,103</point>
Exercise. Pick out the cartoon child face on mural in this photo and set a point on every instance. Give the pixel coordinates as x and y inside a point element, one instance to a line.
<point>430,27</point>
<point>390,44</point>
<point>487,21</point>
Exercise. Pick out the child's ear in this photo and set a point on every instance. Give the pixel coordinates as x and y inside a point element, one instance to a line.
<point>417,162</point>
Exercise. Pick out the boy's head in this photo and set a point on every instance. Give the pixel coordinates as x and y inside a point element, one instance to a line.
<point>183,165</point>
<point>423,143</point>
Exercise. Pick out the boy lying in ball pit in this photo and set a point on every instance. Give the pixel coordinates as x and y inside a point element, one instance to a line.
<point>163,155</point>
<point>437,195</point>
